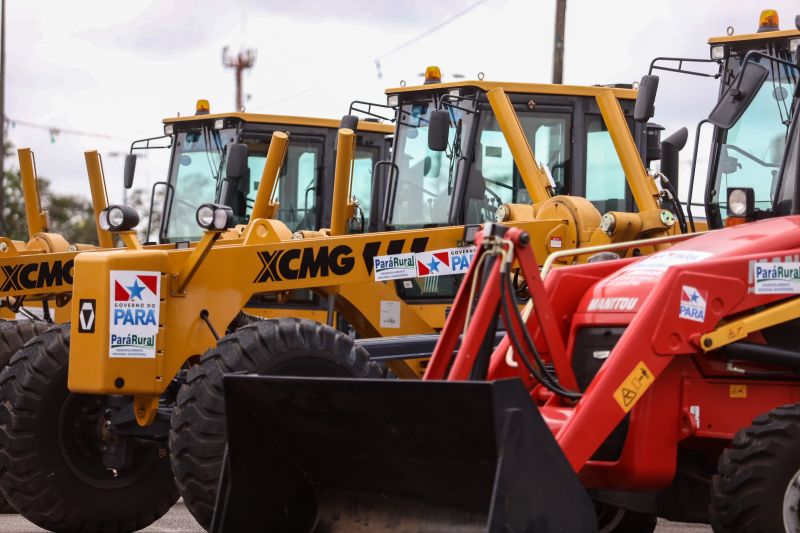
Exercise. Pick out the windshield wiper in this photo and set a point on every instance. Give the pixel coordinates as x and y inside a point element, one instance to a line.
<point>455,156</point>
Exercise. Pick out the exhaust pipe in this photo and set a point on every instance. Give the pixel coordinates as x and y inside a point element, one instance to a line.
<point>670,151</point>
<point>322,454</point>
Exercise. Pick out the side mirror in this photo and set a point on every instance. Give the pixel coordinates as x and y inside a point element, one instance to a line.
<point>439,130</point>
<point>737,98</point>
<point>237,162</point>
<point>130,169</point>
<point>350,122</point>
<point>646,99</point>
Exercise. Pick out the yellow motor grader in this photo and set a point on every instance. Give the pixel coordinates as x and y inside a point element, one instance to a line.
<point>36,276</point>
<point>100,424</point>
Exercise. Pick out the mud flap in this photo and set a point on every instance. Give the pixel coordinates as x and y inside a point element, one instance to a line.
<point>329,455</point>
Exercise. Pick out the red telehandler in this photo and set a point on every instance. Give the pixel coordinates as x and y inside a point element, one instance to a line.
<point>666,385</point>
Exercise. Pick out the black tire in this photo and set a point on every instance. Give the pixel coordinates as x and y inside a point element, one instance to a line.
<point>15,333</point>
<point>50,465</point>
<point>612,519</point>
<point>286,346</point>
<point>13,336</point>
<point>754,473</point>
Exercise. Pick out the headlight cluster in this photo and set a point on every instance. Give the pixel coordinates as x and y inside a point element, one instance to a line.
<point>741,201</point>
<point>118,218</point>
<point>214,217</point>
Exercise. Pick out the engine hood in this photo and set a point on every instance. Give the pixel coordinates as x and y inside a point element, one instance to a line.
<point>626,289</point>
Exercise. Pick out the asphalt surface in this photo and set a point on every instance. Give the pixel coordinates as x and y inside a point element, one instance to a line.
<point>178,520</point>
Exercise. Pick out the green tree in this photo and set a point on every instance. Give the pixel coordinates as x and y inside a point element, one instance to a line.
<point>139,199</point>
<point>69,215</point>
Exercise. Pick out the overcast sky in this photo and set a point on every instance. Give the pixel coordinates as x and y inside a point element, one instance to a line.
<point>119,68</point>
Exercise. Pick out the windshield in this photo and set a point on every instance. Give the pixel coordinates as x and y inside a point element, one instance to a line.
<point>196,165</point>
<point>753,147</point>
<point>296,191</point>
<point>494,178</point>
<point>424,179</point>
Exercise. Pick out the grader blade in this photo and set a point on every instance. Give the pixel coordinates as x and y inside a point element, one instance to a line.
<point>322,454</point>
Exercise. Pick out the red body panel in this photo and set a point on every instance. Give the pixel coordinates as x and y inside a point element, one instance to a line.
<point>665,302</point>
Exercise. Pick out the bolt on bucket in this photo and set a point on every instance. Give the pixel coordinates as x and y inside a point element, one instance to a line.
<point>354,455</point>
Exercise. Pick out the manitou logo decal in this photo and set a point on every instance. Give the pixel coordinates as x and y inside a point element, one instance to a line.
<point>305,263</point>
<point>36,275</point>
<point>612,304</point>
<point>133,323</point>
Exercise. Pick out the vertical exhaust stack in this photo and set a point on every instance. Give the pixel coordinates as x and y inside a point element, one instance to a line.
<point>337,455</point>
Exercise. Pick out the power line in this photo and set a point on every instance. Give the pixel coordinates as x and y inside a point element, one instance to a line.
<point>429,31</point>
<point>54,131</point>
<point>394,50</point>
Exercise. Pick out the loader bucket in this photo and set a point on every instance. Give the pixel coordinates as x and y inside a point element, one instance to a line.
<point>329,455</point>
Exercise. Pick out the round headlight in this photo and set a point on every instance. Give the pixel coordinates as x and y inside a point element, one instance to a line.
<point>118,218</point>
<point>608,223</point>
<point>501,215</point>
<point>115,217</point>
<point>103,220</point>
<point>205,216</point>
<point>220,219</point>
<point>737,202</point>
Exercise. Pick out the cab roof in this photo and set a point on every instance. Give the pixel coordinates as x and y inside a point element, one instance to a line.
<point>763,36</point>
<point>526,88</point>
<point>285,120</point>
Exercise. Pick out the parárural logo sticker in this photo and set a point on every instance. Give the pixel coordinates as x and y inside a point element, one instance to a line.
<point>134,313</point>
<point>775,278</point>
<point>445,262</point>
<point>399,266</point>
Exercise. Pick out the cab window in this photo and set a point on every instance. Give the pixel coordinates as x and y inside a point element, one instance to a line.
<point>494,178</point>
<point>297,184</point>
<point>605,178</point>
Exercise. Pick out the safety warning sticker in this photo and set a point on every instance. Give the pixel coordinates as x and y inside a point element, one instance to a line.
<point>390,314</point>
<point>444,262</point>
<point>634,386</point>
<point>398,266</point>
<point>654,266</point>
<point>134,313</point>
<point>738,391</point>
<point>693,304</point>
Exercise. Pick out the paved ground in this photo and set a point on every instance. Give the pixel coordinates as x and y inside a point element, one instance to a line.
<point>178,520</point>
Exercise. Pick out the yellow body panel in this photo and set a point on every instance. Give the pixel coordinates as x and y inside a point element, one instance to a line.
<point>223,284</point>
<point>286,120</point>
<point>763,36</point>
<point>525,88</point>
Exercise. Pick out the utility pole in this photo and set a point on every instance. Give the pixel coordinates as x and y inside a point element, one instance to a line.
<point>239,62</point>
<point>2,115</point>
<point>558,44</point>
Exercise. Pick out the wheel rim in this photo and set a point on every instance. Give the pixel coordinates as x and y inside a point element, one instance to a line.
<point>791,504</point>
<point>81,442</point>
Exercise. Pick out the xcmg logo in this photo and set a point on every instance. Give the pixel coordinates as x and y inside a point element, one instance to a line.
<point>36,275</point>
<point>304,263</point>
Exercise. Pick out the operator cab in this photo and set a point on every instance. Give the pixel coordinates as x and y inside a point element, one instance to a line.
<point>748,152</point>
<point>199,151</point>
<point>475,174</point>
